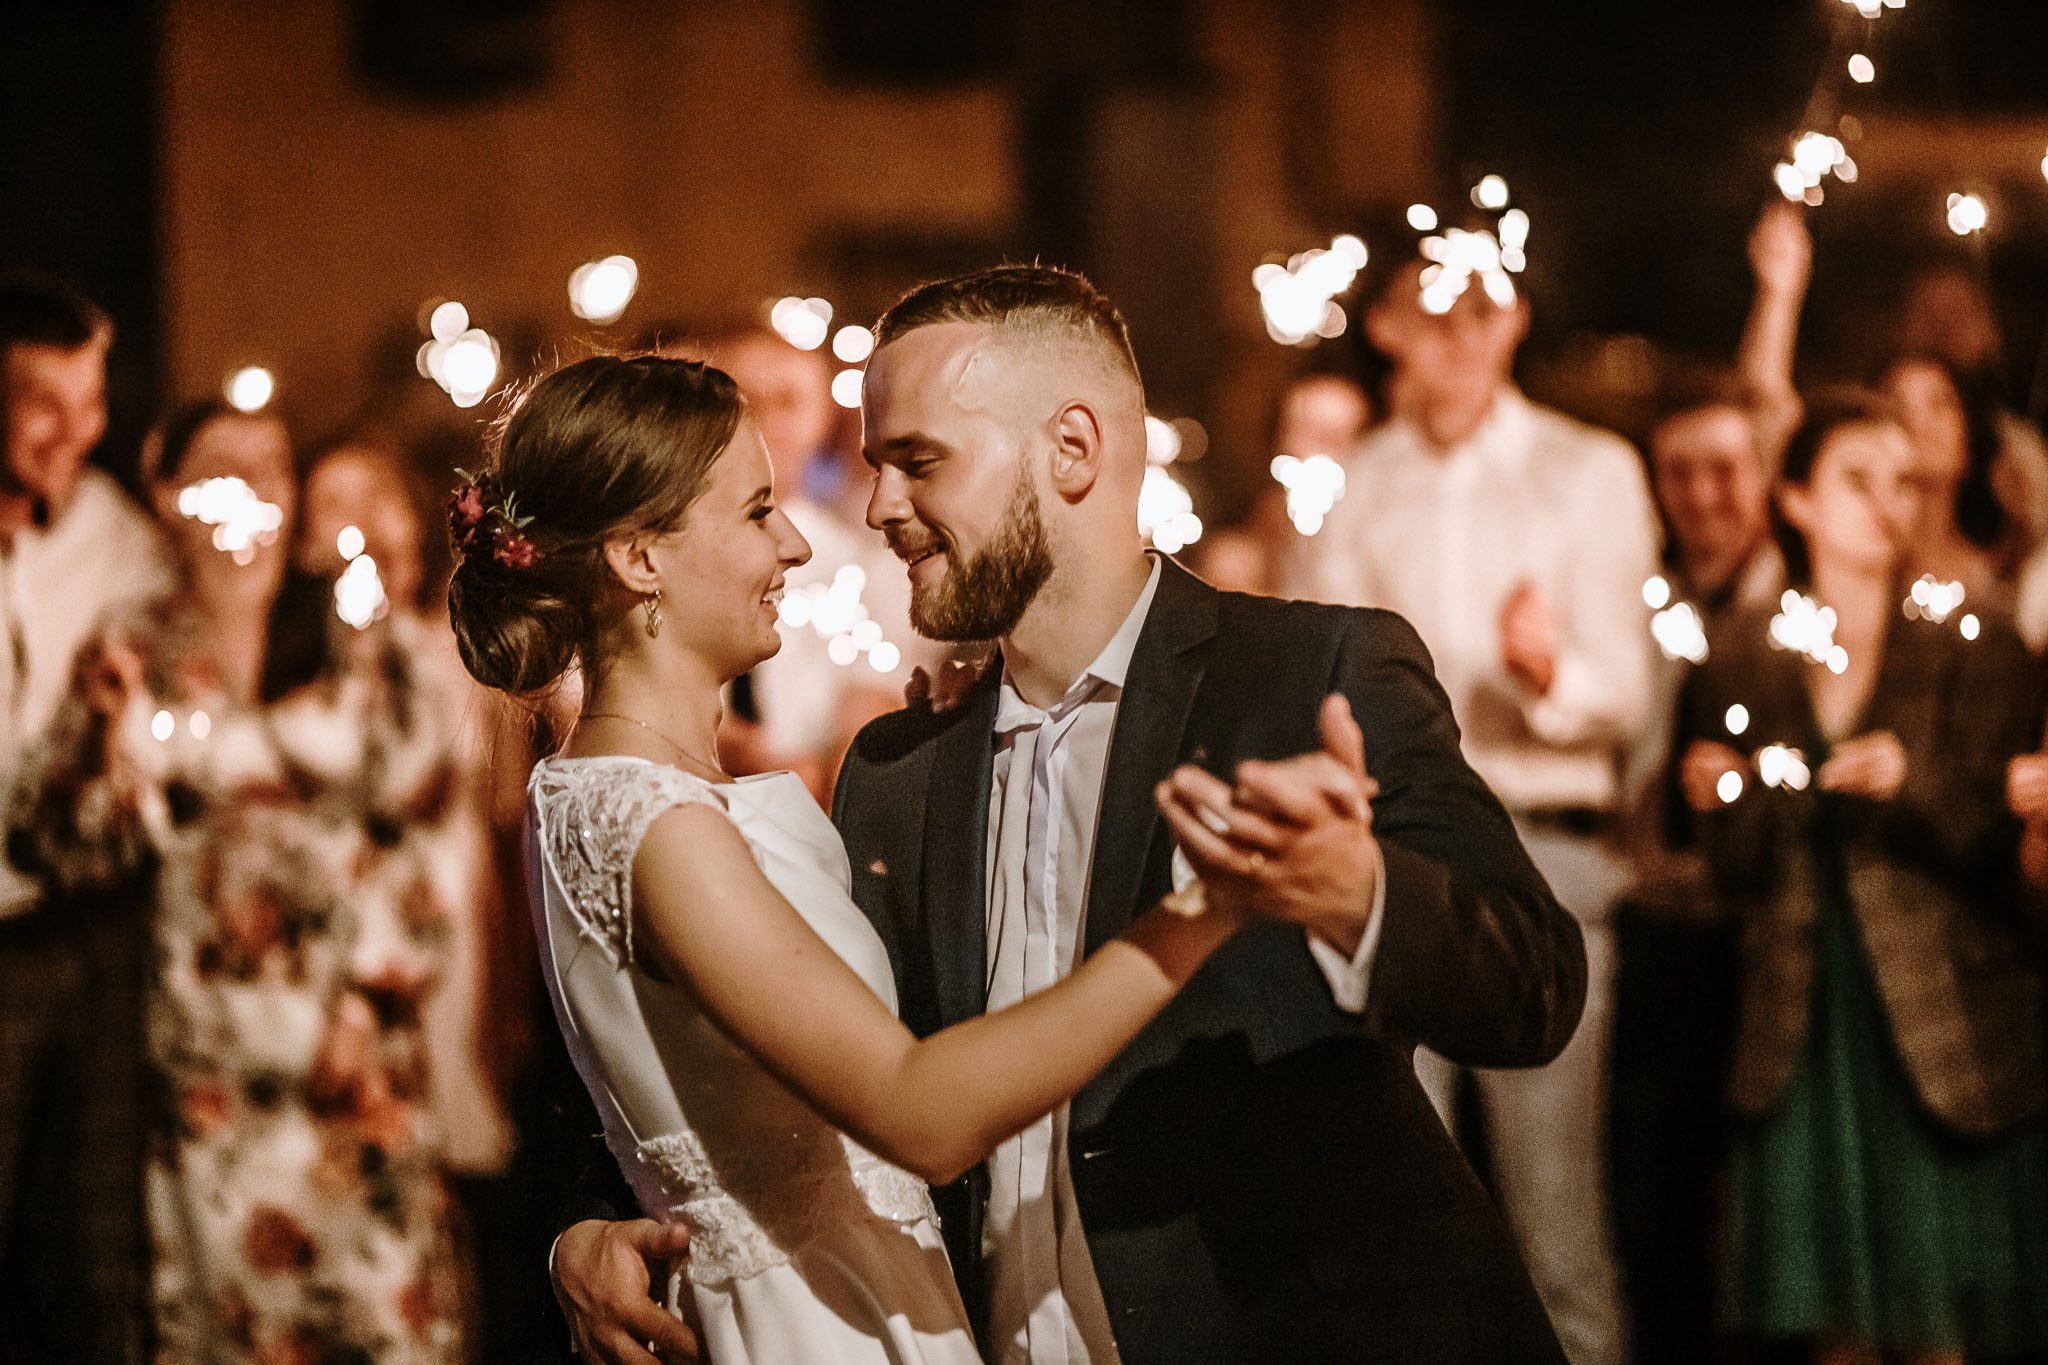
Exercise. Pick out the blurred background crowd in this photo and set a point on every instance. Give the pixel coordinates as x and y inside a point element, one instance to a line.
<point>1678,371</point>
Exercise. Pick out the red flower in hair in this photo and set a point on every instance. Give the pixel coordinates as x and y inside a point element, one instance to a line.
<point>466,512</point>
<point>483,516</point>
<point>513,550</point>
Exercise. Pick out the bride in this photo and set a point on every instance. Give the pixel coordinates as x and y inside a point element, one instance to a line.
<point>730,1009</point>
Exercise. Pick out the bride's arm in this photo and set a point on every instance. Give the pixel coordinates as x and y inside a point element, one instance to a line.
<point>707,917</point>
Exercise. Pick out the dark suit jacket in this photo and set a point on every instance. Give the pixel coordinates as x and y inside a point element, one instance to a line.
<point>1930,873</point>
<point>1260,1175</point>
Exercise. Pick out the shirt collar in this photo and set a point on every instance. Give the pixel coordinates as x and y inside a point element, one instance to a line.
<point>1109,669</point>
<point>1501,438</point>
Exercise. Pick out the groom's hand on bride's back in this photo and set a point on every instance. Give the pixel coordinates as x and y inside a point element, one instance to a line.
<point>604,1275</point>
<point>946,684</point>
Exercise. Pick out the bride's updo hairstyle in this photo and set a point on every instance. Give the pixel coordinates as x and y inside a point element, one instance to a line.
<point>610,446</point>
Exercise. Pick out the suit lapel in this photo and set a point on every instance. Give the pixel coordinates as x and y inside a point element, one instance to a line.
<point>956,854</point>
<point>1151,724</point>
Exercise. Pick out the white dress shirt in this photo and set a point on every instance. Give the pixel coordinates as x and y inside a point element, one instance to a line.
<point>58,585</point>
<point>1044,1302</point>
<point>1444,537</point>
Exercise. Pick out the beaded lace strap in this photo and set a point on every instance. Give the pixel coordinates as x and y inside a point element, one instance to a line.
<point>593,816</point>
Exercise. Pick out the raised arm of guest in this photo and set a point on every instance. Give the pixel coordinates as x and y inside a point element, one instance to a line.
<point>1781,258</point>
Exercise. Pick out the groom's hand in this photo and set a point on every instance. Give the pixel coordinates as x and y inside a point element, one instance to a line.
<point>1295,836</point>
<point>604,1274</point>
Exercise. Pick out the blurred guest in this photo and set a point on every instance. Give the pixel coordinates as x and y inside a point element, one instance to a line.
<point>1247,556</point>
<point>1889,1189</point>
<point>1517,541</point>
<point>1985,471</point>
<point>1712,460</point>
<point>1968,532</point>
<point>1946,313</point>
<point>373,488</point>
<point>1675,984</point>
<point>280,838</point>
<point>808,702</point>
<point>73,549</point>
<point>1320,414</point>
<point>360,482</point>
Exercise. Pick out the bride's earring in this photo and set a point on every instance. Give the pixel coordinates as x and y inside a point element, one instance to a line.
<point>653,605</point>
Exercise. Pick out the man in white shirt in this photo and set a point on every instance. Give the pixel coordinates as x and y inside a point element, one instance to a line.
<point>1259,1177</point>
<point>73,550</point>
<point>1517,541</point>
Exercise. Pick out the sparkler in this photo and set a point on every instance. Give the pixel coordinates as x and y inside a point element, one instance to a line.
<point>836,612</point>
<point>359,597</point>
<point>1816,155</point>
<point>1778,765</point>
<point>600,290</point>
<point>250,389</point>
<point>1931,599</point>
<point>1677,627</point>
<point>1805,627</point>
<point>1314,485</point>
<point>1166,510</point>
<point>1459,256</point>
<point>1299,299</point>
<point>803,323</point>
<point>462,359</point>
<point>240,519</point>
<point>1967,214</point>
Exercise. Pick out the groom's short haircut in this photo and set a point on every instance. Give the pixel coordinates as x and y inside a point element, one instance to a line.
<point>1023,298</point>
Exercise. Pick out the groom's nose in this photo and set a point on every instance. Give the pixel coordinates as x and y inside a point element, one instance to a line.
<point>889,504</point>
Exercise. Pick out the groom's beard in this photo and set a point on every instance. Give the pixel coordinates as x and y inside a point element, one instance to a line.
<point>987,595</point>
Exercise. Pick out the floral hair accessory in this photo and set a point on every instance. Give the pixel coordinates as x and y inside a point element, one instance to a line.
<point>482,516</point>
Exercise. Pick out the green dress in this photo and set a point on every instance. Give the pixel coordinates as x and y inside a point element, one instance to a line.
<point>1852,1215</point>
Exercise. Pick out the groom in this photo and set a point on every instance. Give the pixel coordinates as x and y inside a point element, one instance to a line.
<point>1259,1176</point>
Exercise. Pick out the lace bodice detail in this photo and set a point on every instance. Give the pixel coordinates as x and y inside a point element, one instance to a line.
<point>705,1134</point>
<point>786,1207</point>
<point>593,814</point>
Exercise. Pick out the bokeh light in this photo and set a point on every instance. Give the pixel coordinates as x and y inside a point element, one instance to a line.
<point>250,389</point>
<point>600,290</point>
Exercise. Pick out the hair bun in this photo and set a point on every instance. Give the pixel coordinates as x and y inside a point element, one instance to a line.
<point>514,632</point>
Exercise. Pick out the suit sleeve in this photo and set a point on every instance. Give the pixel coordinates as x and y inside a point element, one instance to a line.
<point>1950,813</point>
<point>1476,959</point>
<point>600,1191</point>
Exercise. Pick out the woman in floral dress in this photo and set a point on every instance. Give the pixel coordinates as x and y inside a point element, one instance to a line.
<point>278,812</point>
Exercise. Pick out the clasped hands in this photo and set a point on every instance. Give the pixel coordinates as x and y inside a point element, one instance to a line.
<point>1289,840</point>
<point>1872,766</point>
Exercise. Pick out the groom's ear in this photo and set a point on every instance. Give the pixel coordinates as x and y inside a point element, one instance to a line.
<point>631,560</point>
<point>1077,449</point>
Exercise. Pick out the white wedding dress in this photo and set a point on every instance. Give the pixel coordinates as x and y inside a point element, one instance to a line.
<point>805,1249</point>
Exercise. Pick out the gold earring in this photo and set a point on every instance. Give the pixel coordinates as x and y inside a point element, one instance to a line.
<point>653,605</point>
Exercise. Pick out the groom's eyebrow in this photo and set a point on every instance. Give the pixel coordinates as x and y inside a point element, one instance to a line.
<point>901,447</point>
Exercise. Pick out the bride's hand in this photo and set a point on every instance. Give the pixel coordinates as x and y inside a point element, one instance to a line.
<point>1226,846</point>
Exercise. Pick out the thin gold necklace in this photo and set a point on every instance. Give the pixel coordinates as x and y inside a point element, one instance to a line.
<point>685,754</point>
